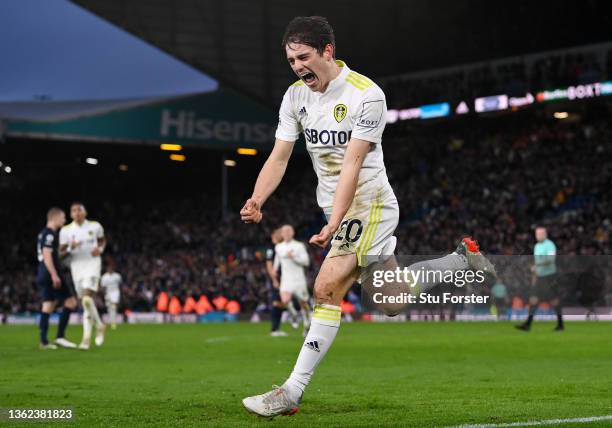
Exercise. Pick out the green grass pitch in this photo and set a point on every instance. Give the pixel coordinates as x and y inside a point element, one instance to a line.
<point>395,374</point>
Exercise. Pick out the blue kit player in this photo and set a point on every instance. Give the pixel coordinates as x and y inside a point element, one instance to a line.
<point>53,288</point>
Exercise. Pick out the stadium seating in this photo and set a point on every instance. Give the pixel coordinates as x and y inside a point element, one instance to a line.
<point>494,181</point>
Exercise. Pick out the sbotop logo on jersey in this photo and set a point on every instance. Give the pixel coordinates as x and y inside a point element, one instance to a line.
<point>325,137</point>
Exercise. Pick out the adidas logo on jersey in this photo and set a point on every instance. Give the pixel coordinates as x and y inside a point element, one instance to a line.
<point>314,345</point>
<point>303,111</point>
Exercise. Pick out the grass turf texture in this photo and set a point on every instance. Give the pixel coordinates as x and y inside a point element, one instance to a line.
<point>404,374</point>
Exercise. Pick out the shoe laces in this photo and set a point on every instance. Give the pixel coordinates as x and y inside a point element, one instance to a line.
<point>276,396</point>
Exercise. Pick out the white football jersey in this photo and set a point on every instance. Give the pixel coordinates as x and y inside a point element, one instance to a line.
<point>111,281</point>
<point>292,258</point>
<point>352,106</point>
<point>87,235</point>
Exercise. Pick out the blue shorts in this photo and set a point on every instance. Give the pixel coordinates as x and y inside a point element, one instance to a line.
<point>50,294</point>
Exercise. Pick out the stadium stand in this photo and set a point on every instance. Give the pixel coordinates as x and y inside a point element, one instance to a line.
<point>513,76</point>
<point>495,180</point>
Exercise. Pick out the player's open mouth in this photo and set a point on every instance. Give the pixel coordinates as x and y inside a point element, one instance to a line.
<point>308,78</point>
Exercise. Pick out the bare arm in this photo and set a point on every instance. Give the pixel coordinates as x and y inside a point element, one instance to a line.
<point>272,273</point>
<point>100,248</point>
<point>345,191</point>
<point>63,250</point>
<point>268,180</point>
<point>48,261</point>
<point>302,257</point>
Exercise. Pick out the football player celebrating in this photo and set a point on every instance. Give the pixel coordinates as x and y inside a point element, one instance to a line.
<point>342,115</point>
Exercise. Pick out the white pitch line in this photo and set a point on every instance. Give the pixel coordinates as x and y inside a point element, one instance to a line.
<point>538,423</point>
<point>217,339</point>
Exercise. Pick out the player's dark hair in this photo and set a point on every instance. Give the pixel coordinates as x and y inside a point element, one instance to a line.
<point>77,203</point>
<point>313,31</point>
<point>54,211</point>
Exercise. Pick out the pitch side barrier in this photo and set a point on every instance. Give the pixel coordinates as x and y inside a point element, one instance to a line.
<point>583,285</point>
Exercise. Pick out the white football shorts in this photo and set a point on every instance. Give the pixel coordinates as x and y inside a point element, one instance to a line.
<point>86,275</point>
<point>299,290</point>
<point>112,297</point>
<point>367,229</point>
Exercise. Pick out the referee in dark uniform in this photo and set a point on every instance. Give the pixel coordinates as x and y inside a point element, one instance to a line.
<point>52,287</point>
<point>545,271</point>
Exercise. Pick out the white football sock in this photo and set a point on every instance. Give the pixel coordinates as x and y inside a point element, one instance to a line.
<point>323,330</point>
<point>292,311</point>
<point>306,317</point>
<point>450,263</point>
<point>112,313</point>
<point>87,318</point>
<point>88,302</point>
<point>95,314</point>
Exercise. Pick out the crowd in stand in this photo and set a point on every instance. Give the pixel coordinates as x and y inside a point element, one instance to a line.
<point>514,78</point>
<point>494,182</point>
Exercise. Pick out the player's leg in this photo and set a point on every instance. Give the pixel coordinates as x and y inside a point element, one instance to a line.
<point>90,288</point>
<point>556,303</point>
<point>112,301</point>
<point>276,318</point>
<point>303,298</point>
<point>305,310</point>
<point>69,305</point>
<point>553,291</point>
<point>532,308</point>
<point>277,309</point>
<point>425,274</point>
<point>112,314</point>
<point>94,316</point>
<point>86,287</point>
<point>287,299</point>
<point>87,315</point>
<point>48,306</point>
<point>336,276</point>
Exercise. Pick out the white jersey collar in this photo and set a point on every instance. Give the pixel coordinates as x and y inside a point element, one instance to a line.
<point>339,80</point>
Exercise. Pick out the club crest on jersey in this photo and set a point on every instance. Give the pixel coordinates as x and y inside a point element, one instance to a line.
<point>340,112</point>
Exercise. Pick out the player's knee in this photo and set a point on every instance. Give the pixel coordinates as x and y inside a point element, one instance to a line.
<point>47,307</point>
<point>325,292</point>
<point>70,303</point>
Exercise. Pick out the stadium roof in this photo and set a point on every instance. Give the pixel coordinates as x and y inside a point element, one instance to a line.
<point>208,119</point>
<point>62,110</point>
<point>237,42</point>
